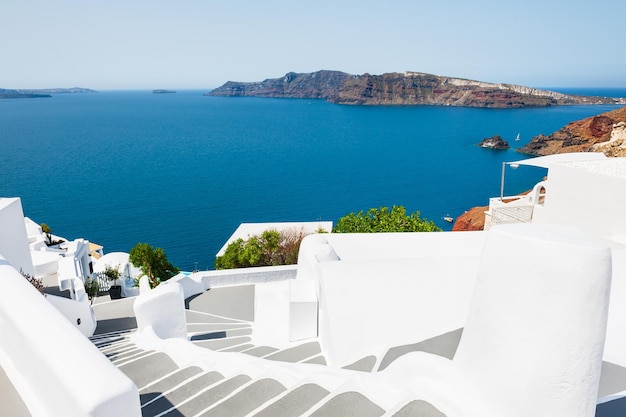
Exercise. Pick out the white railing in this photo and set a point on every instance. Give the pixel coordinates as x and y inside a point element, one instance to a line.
<point>241,276</point>
<point>511,214</point>
<point>514,209</point>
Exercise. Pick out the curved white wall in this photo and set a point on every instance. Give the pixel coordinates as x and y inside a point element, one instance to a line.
<point>535,332</point>
<point>162,310</point>
<point>56,370</point>
<point>392,289</point>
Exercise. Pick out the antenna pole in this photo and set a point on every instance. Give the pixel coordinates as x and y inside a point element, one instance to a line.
<point>502,182</point>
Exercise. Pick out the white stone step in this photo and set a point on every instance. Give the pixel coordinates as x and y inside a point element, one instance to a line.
<point>180,393</point>
<point>294,402</point>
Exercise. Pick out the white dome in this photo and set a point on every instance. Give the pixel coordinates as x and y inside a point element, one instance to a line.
<point>113,259</point>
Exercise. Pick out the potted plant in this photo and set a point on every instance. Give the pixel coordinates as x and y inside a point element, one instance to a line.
<point>112,274</point>
<point>92,288</point>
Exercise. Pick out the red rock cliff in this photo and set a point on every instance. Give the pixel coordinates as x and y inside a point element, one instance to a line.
<point>601,133</point>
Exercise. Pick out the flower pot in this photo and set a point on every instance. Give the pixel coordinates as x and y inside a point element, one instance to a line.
<point>115,292</point>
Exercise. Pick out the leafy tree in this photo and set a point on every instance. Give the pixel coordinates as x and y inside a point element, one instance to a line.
<point>48,232</point>
<point>92,288</point>
<point>153,263</point>
<point>377,220</point>
<point>270,248</point>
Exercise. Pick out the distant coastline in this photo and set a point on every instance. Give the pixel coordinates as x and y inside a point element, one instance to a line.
<point>42,93</point>
<point>162,91</point>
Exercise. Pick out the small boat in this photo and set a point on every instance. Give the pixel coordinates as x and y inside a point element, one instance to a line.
<point>517,138</point>
<point>448,218</point>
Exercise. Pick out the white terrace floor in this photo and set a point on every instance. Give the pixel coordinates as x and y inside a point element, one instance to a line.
<point>222,321</point>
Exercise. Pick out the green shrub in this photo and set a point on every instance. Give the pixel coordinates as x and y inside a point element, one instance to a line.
<point>384,220</point>
<point>270,248</point>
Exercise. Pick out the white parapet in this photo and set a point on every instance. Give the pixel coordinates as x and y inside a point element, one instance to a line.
<point>78,312</point>
<point>534,336</point>
<point>163,311</point>
<point>13,236</point>
<point>538,321</point>
<point>381,290</point>
<point>302,309</point>
<point>55,369</point>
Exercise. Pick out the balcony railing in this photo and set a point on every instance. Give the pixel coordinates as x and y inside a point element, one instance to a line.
<point>515,209</point>
<point>511,214</point>
<point>103,282</point>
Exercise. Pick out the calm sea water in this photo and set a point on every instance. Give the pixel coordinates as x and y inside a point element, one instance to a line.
<point>182,171</point>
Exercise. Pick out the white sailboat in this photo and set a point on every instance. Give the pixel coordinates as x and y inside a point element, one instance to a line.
<point>517,138</point>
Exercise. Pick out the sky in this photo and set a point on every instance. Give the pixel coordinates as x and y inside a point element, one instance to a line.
<point>200,44</point>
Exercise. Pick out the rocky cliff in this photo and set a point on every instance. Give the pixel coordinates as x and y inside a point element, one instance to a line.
<point>409,88</point>
<point>471,220</point>
<point>320,84</point>
<point>605,132</point>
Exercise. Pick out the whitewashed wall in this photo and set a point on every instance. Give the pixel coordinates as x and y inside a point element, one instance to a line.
<point>392,289</point>
<point>535,331</point>
<point>56,370</point>
<point>589,194</point>
<point>13,237</point>
<point>615,347</point>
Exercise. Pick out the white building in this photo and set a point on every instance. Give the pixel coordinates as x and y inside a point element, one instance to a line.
<point>13,239</point>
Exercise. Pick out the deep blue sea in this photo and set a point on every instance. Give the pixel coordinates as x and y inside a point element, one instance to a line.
<point>181,171</point>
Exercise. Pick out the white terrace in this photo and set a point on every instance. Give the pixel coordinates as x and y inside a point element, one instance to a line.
<point>521,320</point>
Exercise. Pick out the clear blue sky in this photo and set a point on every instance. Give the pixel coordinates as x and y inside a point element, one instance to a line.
<point>146,44</point>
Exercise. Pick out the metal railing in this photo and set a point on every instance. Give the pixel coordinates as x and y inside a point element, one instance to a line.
<point>103,282</point>
<point>511,214</point>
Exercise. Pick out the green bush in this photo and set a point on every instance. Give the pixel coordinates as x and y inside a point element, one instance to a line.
<point>153,263</point>
<point>270,248</point>
<point>281,248</point>
<point>384,220</point>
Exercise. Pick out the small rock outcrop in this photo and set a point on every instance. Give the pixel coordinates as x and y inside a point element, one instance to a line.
<point>494,142</point>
